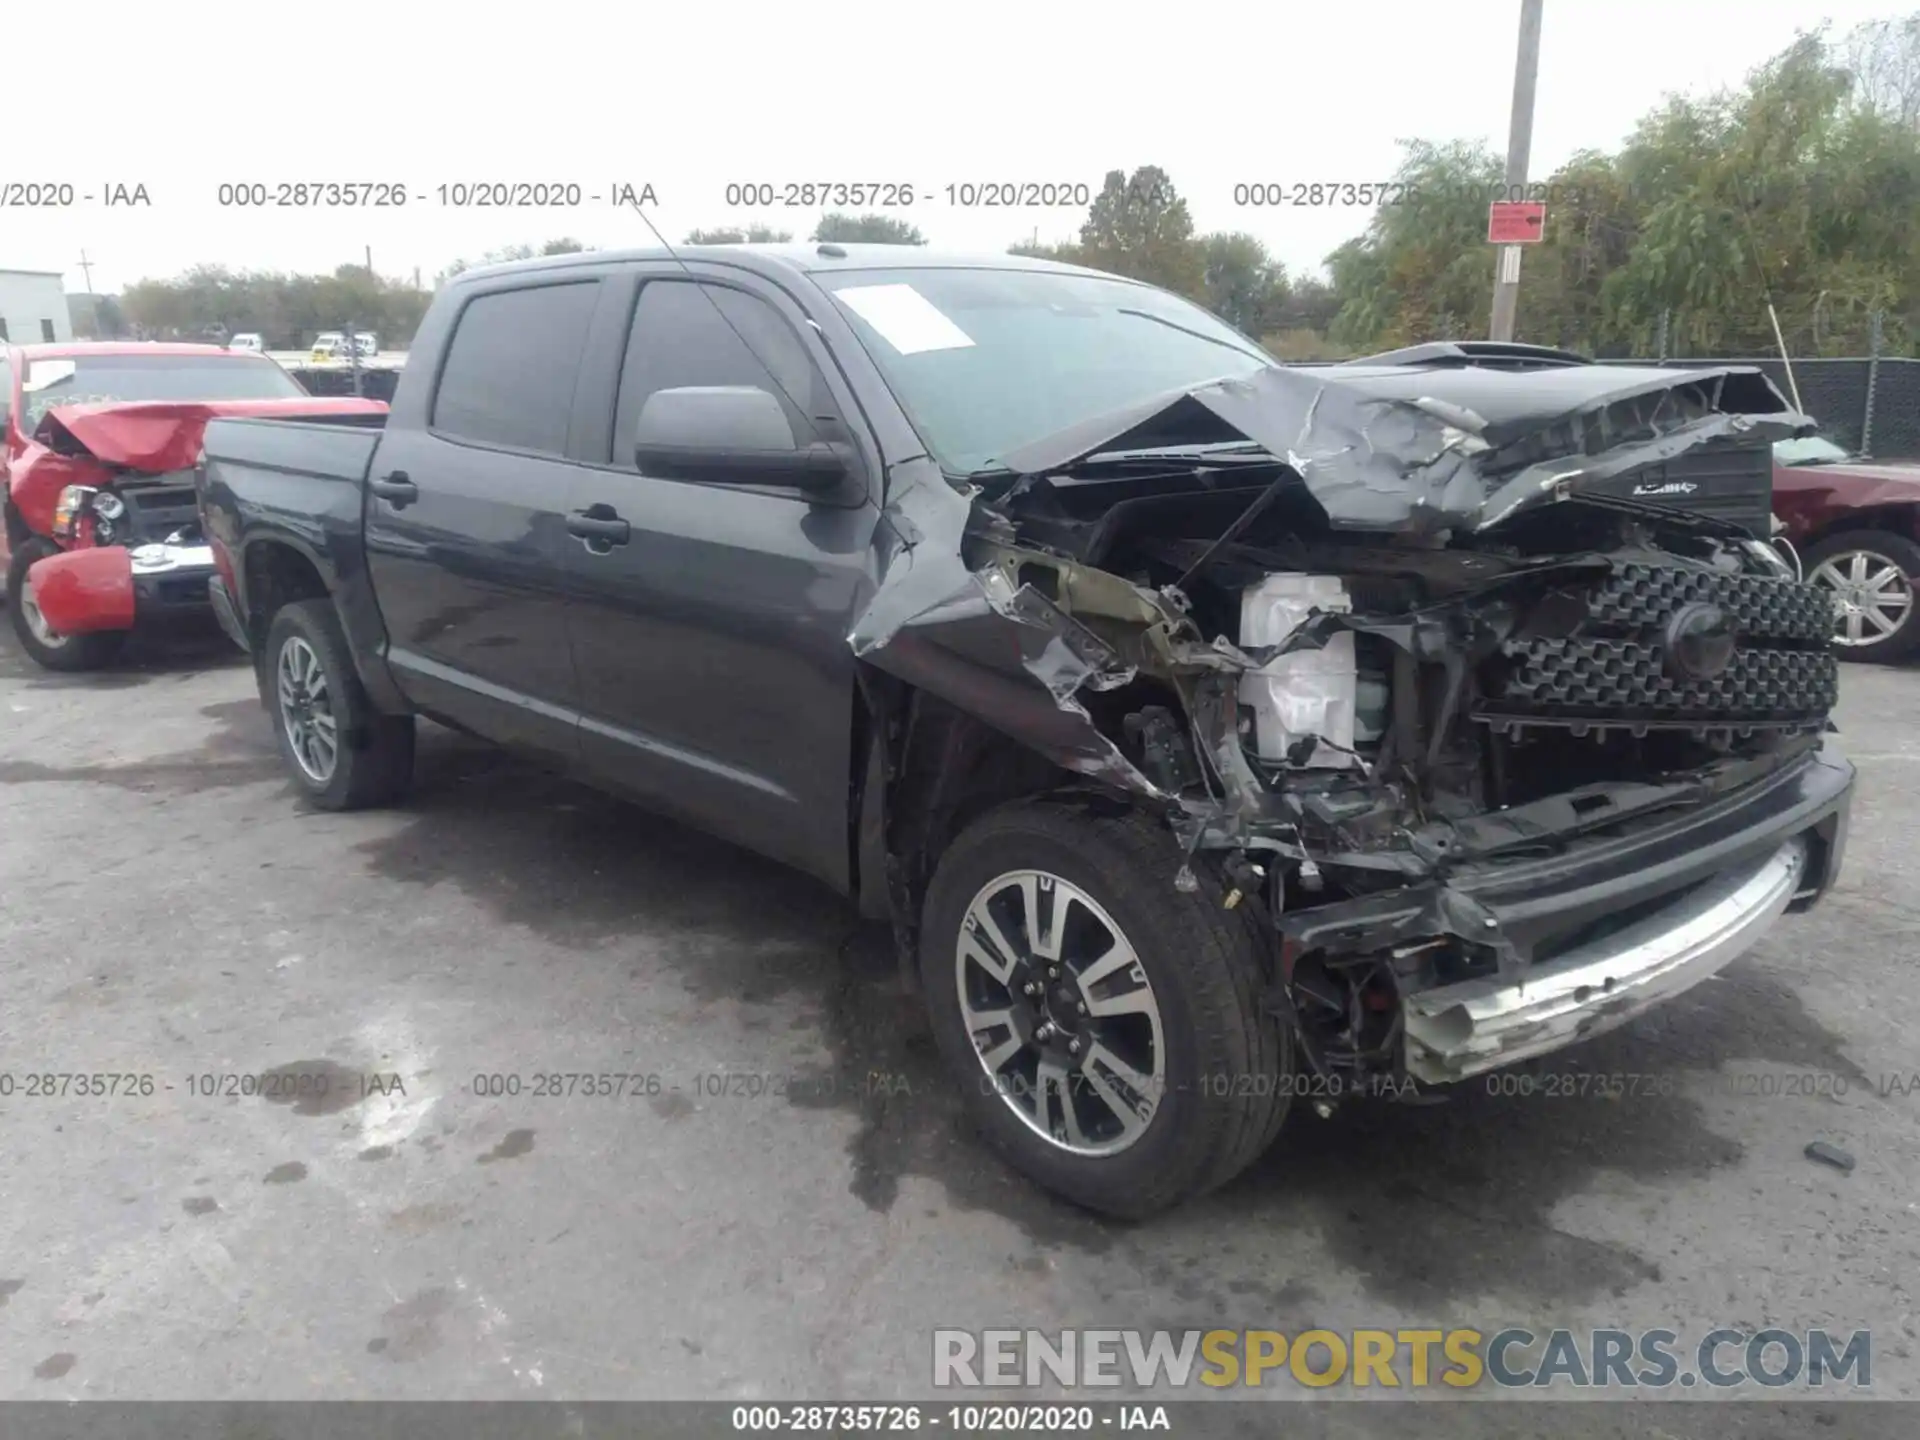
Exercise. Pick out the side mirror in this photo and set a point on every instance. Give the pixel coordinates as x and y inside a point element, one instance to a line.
<point>736,433</point>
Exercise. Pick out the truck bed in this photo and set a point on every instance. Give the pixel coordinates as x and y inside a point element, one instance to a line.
<point>336,448</point>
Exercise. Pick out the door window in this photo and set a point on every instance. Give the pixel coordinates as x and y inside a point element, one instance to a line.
<point>686,333</point>
<point>510,370</point>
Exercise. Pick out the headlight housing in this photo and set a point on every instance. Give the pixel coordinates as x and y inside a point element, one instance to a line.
<point>108,508</point>
<point>77,501</point>
<point>67,510</point>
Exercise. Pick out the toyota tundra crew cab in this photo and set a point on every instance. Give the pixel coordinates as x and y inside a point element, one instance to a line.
<point>1199,723</point>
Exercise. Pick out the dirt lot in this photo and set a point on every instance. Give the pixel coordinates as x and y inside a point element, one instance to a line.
<point>171,911</point>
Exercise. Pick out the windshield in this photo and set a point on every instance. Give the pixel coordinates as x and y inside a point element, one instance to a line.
<point>987,360</point>
<point>101,379</point>
<point>1808,450</point>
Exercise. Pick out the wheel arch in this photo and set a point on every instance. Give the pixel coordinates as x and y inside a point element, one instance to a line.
<point>924,770</point>
<point>17,530</point>
<point>1901,518</point>
<point>275,571</point>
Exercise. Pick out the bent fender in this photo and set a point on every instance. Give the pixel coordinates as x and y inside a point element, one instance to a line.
<point>85,590</point>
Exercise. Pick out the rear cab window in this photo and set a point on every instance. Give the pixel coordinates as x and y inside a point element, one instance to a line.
<point>511,367</point>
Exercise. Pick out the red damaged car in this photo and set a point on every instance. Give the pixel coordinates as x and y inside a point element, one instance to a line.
<point>1856,525</point>
<point>101,522</point>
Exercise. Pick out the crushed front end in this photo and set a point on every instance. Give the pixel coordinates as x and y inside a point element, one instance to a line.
<point>1498,758</point>
<point>110,487</point>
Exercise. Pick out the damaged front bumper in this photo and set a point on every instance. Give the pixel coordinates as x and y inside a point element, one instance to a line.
<point>1458,1031</point>
<point>84,591</point>
<point>1607,929</point>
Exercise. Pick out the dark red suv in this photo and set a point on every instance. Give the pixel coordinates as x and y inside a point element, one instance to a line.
<point>1856,525</point>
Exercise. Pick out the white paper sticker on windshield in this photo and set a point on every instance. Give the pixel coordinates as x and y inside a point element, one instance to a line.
<point>905,318</point>
<point>42,373</point>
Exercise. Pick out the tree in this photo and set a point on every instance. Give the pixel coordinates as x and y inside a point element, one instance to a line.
<point>565,245</point>
<point>1593,223</point>
<point>1244,285</point>
<point>1799,186</point>
<point>752,235</point>
<point>1138,226</point>
<point>1310,304</point>
<point>1793,189</point>
<point>95,317</point>
<point>1884,58</point>
<point>1064,253</point>
<point>1422,270</point>
<point>870,229</point>
<point>288,310</point>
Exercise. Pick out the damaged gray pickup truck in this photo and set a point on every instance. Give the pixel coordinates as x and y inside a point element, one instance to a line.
<point>1213,733</point>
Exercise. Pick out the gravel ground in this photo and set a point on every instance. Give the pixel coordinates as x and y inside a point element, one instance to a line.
<point>172,911</point>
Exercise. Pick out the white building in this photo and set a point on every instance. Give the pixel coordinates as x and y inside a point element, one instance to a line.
<point>33,307</point>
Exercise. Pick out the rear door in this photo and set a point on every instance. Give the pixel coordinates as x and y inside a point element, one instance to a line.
<point>465,515</point>
<point>716,682</point>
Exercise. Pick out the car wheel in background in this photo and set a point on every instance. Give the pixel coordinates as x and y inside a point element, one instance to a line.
<point>1870,576</point>
<point>48,646</point>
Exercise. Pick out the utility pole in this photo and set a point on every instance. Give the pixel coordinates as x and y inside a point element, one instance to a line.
<point>1526,71</point>
<point>86,269</point>
<point>369,262</point>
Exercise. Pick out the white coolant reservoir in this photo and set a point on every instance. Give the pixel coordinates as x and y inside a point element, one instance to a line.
<point>1308,692</point>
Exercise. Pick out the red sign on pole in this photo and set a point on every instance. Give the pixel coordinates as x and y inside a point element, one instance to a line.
<point>1516,222</point>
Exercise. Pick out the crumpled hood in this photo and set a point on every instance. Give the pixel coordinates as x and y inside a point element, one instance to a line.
<point>163,435</point>
<point>1388,448</point>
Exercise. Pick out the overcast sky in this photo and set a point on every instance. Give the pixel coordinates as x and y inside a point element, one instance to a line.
<point>188,94</point>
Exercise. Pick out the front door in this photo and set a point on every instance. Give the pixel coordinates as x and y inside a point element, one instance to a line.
<point>710,638</point>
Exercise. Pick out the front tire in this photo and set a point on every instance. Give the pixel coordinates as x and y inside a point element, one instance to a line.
<point>1139,1070</point>
<point>51,648</point>
<point>1869,575</point>
<point>343,753</point>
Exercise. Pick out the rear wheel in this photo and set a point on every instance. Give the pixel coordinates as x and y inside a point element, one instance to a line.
<point>50,647</point>
<point>1870,576</point>
<point>1106,1029</point>
<point>342,752</point>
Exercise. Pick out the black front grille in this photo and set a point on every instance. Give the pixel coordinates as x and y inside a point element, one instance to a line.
<point>1614,670</point>
<point>156,511</point>
<point>1637,596</point>
<point>1629,678</point>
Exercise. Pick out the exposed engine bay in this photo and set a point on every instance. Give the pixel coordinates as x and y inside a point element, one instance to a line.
<point>1383,645</point>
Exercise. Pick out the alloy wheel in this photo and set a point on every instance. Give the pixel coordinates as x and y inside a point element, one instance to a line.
<point>306,710</point>
<point>1871,593</point>
<point>37,621</point>
<point>1060,1011</point>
